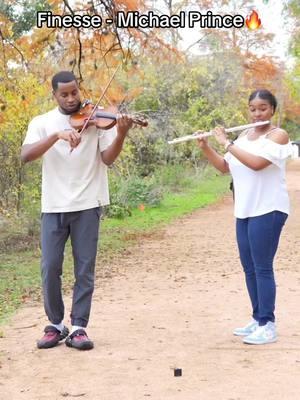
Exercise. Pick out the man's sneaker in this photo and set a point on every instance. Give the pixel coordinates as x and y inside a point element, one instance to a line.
<point>246,330</point>
<point>52,337</point>
<point>262,335</point>
<point>79,340</point>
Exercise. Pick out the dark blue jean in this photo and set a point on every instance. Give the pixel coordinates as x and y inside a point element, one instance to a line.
<point>258,239</point>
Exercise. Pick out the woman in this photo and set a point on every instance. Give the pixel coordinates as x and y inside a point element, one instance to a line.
<point>256,161</point>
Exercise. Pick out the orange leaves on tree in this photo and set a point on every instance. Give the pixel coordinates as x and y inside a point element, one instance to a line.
<point>131,5</point>
<point>260,71</point>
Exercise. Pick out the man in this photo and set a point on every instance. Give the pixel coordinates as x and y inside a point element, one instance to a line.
<point>74,187</point>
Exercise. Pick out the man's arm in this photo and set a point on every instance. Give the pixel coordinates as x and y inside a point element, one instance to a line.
<point>31,152</point>
<point>110,154</point>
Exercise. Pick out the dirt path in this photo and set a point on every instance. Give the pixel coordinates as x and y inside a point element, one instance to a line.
<point>171,301</point>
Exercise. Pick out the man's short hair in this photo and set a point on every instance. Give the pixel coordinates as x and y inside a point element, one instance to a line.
<point>63,77</point>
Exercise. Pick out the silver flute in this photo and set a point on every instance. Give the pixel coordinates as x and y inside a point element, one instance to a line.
<point>200,135</point>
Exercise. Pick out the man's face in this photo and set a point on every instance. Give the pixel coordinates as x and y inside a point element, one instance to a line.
<point>67,96</point>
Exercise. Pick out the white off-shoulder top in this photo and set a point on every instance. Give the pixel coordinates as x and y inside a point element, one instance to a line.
<point>260,192</point>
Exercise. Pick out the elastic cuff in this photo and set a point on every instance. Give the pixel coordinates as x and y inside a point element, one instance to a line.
<point>264,321</point>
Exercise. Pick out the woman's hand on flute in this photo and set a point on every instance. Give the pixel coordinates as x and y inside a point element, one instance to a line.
<point>202,142</point>
<point>220,135</point>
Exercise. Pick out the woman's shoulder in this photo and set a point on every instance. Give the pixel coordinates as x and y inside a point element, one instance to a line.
<point>278,135</point>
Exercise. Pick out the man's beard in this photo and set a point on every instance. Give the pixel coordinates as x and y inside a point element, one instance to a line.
<point>70,112</point>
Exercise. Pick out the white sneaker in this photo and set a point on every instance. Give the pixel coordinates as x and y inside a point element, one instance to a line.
<point>262,335</point>
<point>246,330</point>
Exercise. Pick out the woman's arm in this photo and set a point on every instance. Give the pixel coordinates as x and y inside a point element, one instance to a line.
<point>213,157</point>
<point>252,161</point>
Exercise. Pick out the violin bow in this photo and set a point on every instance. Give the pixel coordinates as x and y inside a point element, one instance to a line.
<point>100,98</point>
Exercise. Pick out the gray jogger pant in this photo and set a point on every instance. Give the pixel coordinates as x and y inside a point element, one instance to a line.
<point>83,228</point>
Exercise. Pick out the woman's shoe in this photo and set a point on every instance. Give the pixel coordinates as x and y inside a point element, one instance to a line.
<point>262,335</point>
<point>246,330</point>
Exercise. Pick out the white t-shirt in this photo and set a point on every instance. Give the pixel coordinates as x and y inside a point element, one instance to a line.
<point>71,181</point>
<point>260,192</point>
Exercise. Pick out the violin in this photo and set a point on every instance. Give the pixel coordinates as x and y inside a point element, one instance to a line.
<point>102,118</point>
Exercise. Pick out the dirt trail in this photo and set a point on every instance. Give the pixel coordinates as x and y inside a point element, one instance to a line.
<point>171,301</point>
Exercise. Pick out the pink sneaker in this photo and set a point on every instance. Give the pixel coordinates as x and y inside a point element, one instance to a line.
<point>52,337</point>
<point>79,340</point>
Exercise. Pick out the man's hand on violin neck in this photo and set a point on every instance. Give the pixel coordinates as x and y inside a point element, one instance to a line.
<point>71,136</point>
<point>124,123</point>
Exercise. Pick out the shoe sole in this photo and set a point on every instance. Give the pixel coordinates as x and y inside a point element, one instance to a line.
<point>84,346</point>
<point>47,345</point>
<point>256,343</point>
<point>242,334</point>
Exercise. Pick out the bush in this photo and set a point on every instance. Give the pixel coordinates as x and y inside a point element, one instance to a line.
<point>129,193</point>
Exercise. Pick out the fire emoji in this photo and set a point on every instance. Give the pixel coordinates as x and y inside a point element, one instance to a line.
<point>253,22</point>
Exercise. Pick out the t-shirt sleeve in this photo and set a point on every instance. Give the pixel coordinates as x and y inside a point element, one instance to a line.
<point>275,152</point>
<point>106,138</point>
<point>35,132</point>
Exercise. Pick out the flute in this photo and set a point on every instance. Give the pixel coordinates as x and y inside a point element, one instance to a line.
<point>201,135</point>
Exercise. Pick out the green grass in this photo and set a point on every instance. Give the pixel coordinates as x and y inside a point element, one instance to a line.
<point>18,281</point>
<point>172,206</point>
<point>20,271</point>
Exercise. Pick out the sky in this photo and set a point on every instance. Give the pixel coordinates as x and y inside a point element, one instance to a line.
<point>270,13</point>
<point>274,22</point>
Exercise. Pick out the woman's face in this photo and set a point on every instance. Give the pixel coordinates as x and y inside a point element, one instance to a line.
<point>260,110</point>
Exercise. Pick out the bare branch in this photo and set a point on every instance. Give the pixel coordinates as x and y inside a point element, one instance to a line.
<point>197,41</point>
